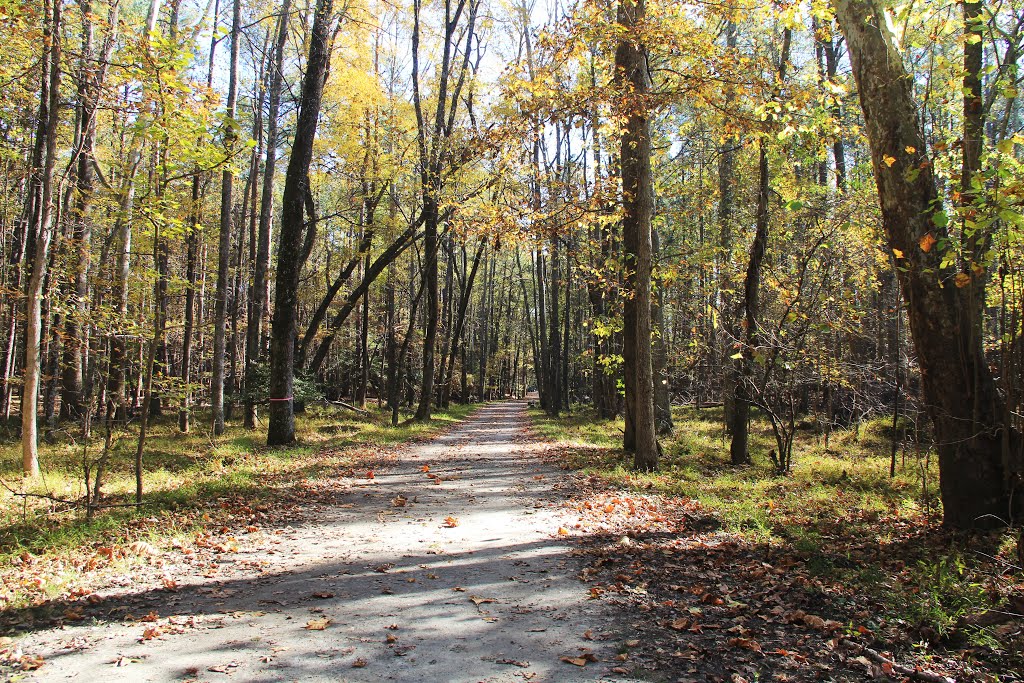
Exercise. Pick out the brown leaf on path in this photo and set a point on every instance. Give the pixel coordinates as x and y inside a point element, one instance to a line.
<point>391,638</point>
<point>632,643</point>
<point>359,663</point>
<point>450,522</point>
<point>323,595</point>
<point>31,662</point>
<point>477,600</point>
<point>150,633</point>
<point>576,661</point>
<point>425,468</point>
<point>562,531</point>
<point>317,624</point>
<point>680,624</point>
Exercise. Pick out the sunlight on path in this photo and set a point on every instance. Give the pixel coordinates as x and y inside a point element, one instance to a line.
<point>446,567</point>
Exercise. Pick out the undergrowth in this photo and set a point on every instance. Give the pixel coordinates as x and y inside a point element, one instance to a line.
<point>838,511</point>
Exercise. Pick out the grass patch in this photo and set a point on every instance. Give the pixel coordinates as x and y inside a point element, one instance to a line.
<point>189,480</point>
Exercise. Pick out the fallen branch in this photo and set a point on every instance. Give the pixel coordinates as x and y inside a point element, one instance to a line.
<point>891,667</point>
<point>349,406</point>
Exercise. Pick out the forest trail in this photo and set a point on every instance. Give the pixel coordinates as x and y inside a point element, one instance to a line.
<point>402,579</point>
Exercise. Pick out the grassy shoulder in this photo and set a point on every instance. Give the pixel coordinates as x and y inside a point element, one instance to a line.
<point>192,482</point>
<point>838,513</point>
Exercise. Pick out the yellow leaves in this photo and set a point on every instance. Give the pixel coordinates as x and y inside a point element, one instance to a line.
<point>962,280</point>
<point>888,160</point>
<point>926,242</point>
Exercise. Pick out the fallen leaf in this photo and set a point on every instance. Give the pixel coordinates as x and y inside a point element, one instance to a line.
<point>451,522</point>
<point>317,624</point>
<point>562,531</point>
<point>150,633</point>
<point>359,663</point>
<point>323,595</point>
<point>425,468</point>
<point>576,661</point>
<point>746,643</point>
<point>477,600</point>
<point>814,621</point>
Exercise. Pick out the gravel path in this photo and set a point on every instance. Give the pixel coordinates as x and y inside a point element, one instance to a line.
<point>404,579</point>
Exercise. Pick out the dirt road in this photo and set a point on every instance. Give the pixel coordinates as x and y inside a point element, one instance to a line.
<point>402,579</point>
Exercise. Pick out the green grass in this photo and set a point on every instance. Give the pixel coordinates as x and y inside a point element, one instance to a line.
<point>191,481</point>
<point>849,475</point>
<point>838,510</point>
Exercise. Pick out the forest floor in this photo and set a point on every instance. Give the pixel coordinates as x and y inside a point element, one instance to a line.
<point>503,550</point>
<point>835,571</point>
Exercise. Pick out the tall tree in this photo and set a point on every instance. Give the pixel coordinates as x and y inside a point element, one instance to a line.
<point>291,253</point>
<point>977,478</point>
<point>40,212</point>
<point>634,81</point>
<point>433,140</point>
<point>257,297</point>
<point>220,318</point>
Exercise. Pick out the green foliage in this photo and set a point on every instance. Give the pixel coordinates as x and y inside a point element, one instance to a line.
<point>304,389</point>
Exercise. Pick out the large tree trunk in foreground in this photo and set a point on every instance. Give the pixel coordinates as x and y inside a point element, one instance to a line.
<point>977,479</point>
<point>291,254</point>
<point>638,203</point>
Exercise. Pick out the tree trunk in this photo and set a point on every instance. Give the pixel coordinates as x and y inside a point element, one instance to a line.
<point>739,451</point>
<point>291,255</point>
<point>662,395</point>
<point>638,199</point>
<point>40,230</point>
<point>257,299</point>
<point>220,316</point>
<point>976,481</point>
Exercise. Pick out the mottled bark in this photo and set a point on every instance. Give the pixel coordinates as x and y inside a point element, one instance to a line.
<point>977,484</point>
